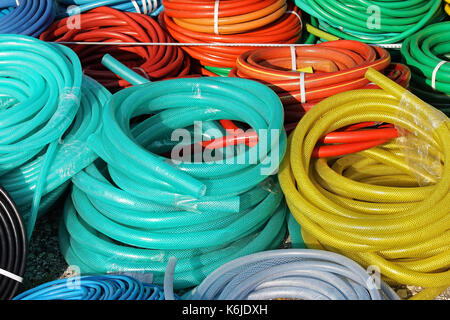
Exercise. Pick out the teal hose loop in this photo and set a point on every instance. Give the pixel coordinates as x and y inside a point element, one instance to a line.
<point>48,111</point>
<point>373,21</point>
<point>135,209</point>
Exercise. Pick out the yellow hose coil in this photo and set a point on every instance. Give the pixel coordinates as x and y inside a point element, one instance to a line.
<point>447,7</point>
<point>369,206</point>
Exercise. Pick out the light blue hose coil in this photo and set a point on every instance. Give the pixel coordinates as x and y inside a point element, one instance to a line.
<point>136,209</point>
<point>304,274</point>
<point>47,111</point>
<point>150,7</point>
<point>30,17</point>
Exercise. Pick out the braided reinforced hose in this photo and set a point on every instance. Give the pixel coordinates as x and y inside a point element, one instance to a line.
<point>304,274</point>
<point>109,25</point>
<point>387,206</point>
<point>27,17</point>
<point>100,287</point>
<point>427,53</point>
<point>136,209</point>
<point>48,111</point>
<point>372,21</point>
<point>147,7</point>
<point>13,244</point>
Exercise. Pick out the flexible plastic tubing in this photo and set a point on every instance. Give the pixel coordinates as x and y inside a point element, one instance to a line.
<point>291,274</point>
<point>370,206</point>
<point>13,243</point>
<point>422,52</point>
<point>285,29</point>
<point>204,214</point>
<point>109,25</point>
<point>447,7</point>
<point>48,111</point>
<point>148,7</point>
<point>30,18</point>
<point>99,287</point>
<point>373,21</point>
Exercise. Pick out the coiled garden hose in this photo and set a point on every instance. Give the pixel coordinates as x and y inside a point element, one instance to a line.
<point>337,66</point>
<point>109,25</point>
<point>99,287</point>
<point>136,209</point>
<point>291,274</point>
<point>285,29</point>
<point>27,17</point>
<point>13,244</point>
<point>427,53</point>
<point>147,7</point>
<point>371,206</point>
<point>447,7</point>
<point>48,111</point>
<point>373,21</point>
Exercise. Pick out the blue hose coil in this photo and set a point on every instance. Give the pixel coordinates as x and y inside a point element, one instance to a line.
<point>150,7</point>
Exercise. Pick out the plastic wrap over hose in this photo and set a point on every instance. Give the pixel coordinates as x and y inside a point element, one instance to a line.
<point>48,109</point>
<point>141,204</point>
<point>292,274</point>
<point>27,17</point>
<point>386,206</point>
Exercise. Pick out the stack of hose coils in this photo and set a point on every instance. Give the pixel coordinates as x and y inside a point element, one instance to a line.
<point>233,21</point>
<point>387,206</point>
<point>427,53</point>
<point>147,7</point>
<point>28,17</point>
<point>142,204</point>
<point>109,25</point>
<point>337,66</point>
<point>100,287</point>
<point>372,21</point>
<point>13,243</point>
<point>48,110</point>
<point>304,274</point>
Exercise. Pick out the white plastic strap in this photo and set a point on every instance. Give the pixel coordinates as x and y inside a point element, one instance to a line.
<point>298,16</point>
<point>433,78</point>
<point>293,59</point>
<point>17,3</point>
<point>216,17</point>
<point>11,275</point>
<point>302,87</point>
<point>136,6</point>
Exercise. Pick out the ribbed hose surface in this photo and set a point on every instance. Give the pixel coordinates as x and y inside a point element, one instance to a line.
<point>141,208</point>
<point>337,66</point>
<point>110,25</point>
<point>304,274</point>
<point>373,21</point>
<point>48,111</point>
<point>30,18</point>
<point>246,27</point>
<point>148,7</point>
<point>101,287</point>
<point>13,245</point>
<point>369,206</point>
<point>423,52</point>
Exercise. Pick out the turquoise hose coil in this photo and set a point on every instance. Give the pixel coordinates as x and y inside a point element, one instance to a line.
<point>305,274</point>
<point>371,21</point>
<point>134,209</point>
<point>149,7</point>
<point>47,111</point>
<point>427,53</point>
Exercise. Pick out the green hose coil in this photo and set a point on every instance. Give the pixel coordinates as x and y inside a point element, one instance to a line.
<point>48,109</point>
<point>133,209</point>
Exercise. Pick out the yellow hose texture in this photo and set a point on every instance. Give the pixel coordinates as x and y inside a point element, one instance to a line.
<point>369,206</point>
<point>447,7</point>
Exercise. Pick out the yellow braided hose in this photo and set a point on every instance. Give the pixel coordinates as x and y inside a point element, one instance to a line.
<point>372,205</point>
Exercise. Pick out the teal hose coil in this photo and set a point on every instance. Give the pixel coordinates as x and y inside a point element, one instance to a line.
<point>47,111</point>
<point>370,21</point>
<point>134,209</point>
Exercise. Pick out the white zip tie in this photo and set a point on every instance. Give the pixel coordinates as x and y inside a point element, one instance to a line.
<point>136,6</point>
<point>435,71</point>
<point>216,17</point>
<point>302,87</point>
<point>11,275</point>
<point>293,59</point>
<point>184,44</point>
